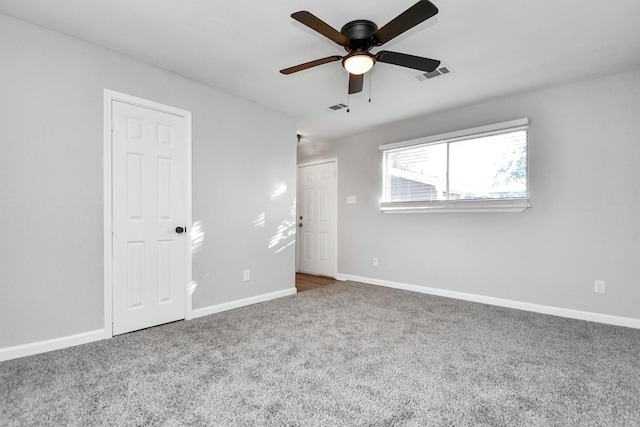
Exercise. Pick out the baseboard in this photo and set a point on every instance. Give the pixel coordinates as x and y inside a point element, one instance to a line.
<point>628,322</point>
<point>30,349</point>
<point>206,311</point>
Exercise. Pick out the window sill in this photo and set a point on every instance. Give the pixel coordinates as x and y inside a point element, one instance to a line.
<point>456,206</point>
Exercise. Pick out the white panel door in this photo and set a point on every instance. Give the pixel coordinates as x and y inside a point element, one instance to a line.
<point>149,173</point>
<point>317,219</point>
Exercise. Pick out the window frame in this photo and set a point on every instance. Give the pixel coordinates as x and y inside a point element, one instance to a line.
<point>450,206</point>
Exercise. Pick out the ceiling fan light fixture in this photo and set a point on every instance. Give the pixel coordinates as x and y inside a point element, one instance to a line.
<point>358,63</point>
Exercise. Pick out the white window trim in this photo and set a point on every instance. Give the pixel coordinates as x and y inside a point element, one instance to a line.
<point>458,206</point>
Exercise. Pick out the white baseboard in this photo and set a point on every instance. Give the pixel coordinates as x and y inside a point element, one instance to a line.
<point>30,349</point>
<point>628,322</point>
<point>23,350</point>
<point>206,311</point>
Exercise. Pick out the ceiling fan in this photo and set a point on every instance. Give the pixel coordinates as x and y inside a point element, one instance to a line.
<point>360,36</point>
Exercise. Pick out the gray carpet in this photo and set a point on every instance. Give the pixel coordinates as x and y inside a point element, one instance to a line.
<point>346,355</point>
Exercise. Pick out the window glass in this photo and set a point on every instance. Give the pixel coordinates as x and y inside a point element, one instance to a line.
<point>418,173</point>
<point>488,168</point>
<point>447,173</point>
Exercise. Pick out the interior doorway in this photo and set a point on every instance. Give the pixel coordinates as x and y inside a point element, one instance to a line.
<point>147,213</point>
<point>317,247</point>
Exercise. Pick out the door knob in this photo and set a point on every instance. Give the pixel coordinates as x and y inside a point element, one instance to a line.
<point>180,230</point>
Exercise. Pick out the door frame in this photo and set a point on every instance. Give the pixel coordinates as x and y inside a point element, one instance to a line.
<point>109,97</point>
<point>333,160</point>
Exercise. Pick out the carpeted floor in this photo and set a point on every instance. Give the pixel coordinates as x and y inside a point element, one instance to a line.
<point>345,355</point>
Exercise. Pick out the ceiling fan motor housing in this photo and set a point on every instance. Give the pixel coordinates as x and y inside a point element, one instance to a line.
<point>360,34</point>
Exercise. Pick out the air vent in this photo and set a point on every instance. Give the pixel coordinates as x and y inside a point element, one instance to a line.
<point>425,76</point>
<point>338,106</point>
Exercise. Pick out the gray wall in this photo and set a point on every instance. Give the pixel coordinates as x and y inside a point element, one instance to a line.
<point>583,224</point>
<point>51,183</point>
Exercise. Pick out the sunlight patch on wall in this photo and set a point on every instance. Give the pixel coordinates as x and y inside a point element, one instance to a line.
<point>191,287</point>
<point>285,230</point>
<point>197,237</point>
<point>260,221</point>
<point>282,188</point>
<point>293,242</point>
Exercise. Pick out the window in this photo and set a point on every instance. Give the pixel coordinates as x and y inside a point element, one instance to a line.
<point>479,169</point>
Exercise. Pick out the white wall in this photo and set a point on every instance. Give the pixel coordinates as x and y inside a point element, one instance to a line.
<point>51,189</point>
<point>585,196</point>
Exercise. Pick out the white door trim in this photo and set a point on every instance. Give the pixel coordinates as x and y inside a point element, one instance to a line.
<point>109,97</point>
<point>333,160</point>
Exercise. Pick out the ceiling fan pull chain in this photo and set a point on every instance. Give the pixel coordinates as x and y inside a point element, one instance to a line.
<point>370,78</point>
<point>348,102</point>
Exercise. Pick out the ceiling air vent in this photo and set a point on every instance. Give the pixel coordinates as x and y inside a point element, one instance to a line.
<point>440,71</point>
<point>338,106</point>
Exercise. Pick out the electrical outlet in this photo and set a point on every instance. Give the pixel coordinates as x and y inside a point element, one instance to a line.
<point>351,200</point>
<point>375,262</point>
<point>599,287</point>
<point>246,275</point>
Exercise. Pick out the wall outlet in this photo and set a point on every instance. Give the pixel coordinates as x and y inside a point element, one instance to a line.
<point>375,262</point>
<point>246,275</point>
<point>598,287</point>
<point>351,200</point>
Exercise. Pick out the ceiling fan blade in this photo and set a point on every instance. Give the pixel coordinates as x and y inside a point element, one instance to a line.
<point>409,61</point>
<point>311,64</point>
<point>355,83</point>
<point>408,19</point>
<point>315,23</point>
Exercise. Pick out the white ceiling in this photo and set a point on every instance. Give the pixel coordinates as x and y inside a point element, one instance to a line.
<point>492,47</point>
